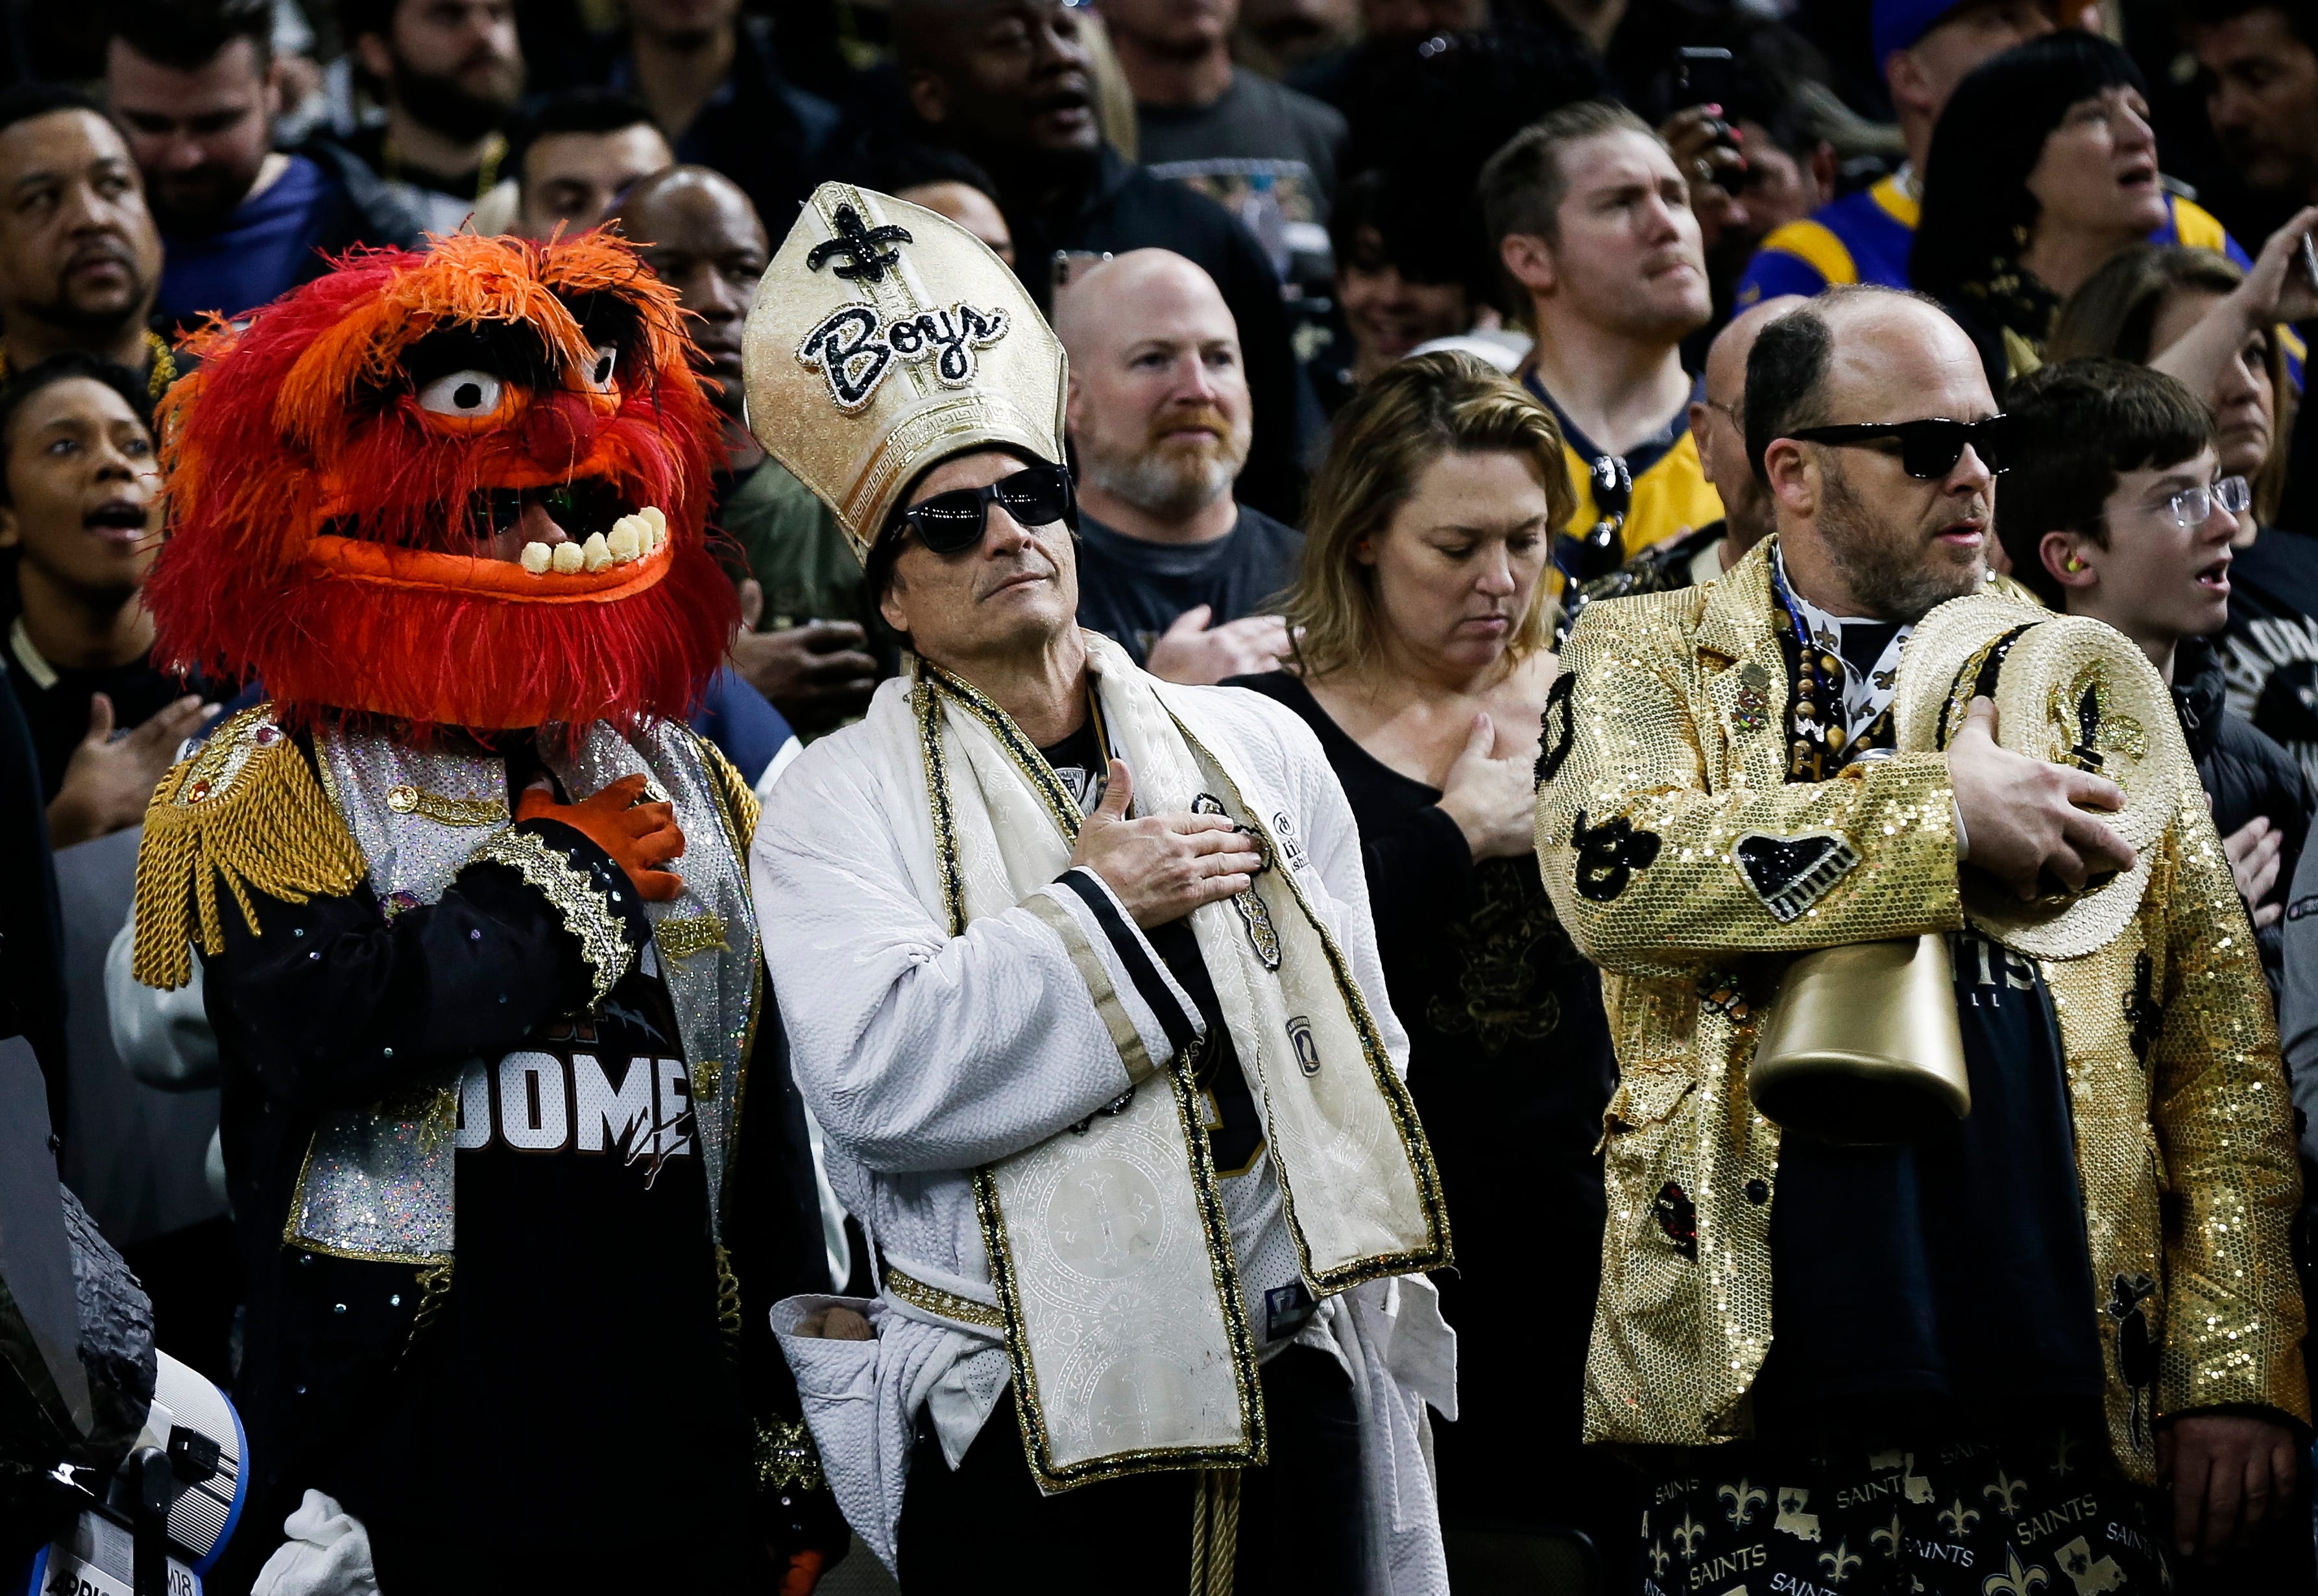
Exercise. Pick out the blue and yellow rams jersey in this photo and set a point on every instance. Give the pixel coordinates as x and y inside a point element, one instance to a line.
<point>1671,493</point>
<point>1865,237</point>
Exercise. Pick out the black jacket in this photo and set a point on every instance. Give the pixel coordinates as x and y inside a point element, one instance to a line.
<point>2244,773</point>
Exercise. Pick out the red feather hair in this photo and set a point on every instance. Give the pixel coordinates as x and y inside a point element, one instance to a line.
<point>302,430</point>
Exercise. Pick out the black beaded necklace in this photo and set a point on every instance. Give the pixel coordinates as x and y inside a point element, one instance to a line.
<point>1818,741</point>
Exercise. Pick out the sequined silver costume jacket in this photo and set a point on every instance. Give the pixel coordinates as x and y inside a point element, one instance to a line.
<point>1669,837</point>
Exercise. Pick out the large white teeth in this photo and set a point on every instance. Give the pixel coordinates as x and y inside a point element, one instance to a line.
<point>631,538</point>
<point>634,536</point>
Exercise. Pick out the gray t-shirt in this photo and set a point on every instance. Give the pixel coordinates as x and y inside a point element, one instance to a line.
<point>1263,152</point>
<point>1131,591</point>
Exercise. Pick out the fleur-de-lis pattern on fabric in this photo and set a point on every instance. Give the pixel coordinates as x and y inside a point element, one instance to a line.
<point>1742,1501</point>
<point>2016,1580</point>
<point>1839,1564</point>
<point>2039,1514</point>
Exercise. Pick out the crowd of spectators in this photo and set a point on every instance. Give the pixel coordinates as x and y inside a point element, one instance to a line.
<point>1398,329</point>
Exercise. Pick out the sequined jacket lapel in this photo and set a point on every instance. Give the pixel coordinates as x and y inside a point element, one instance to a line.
<point>1686,866</point>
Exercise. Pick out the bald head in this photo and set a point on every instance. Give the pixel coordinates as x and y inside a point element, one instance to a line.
<point>1158,403</point>
<point>700,235</point>
<point>1726,357</point>
<point>1859,348</point>
<point>1864,534</point>
<point>1718,422</point>
<point>1124,298</point>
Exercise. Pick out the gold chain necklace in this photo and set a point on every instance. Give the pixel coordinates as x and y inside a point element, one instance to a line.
<point>164,370</point>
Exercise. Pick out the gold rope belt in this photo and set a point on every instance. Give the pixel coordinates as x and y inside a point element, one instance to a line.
<point>1214,1530</point>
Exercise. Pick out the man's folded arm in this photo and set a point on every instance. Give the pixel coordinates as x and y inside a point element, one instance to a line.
<point>332,1003</point>
<point>1655,874</point>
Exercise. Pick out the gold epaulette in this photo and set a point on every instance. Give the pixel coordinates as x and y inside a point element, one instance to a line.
<point>248,810</point>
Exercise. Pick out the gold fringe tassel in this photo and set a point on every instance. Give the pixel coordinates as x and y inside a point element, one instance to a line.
<point>1214,1530</point>
<point>728,1302</point>
<point>268,826</point>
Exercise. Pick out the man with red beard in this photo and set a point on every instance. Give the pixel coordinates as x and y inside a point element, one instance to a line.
<point>472,920</point>
<point>1169,565</point>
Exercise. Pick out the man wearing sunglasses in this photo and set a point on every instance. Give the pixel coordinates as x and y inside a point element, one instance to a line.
<point>1862,1363</point>
<point>1078,979</point>
<point>2118,511</point>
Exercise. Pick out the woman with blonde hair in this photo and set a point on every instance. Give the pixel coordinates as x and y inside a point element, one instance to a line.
<point>1423,665</point>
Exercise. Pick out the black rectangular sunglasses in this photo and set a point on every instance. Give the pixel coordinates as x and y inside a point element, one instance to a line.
<point>952,523</point>
<point>1930,447</point>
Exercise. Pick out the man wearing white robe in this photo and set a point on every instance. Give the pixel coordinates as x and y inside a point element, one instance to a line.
<point>1078,977</point>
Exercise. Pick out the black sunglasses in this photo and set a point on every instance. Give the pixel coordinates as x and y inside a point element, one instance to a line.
<point>1927,448</point>
<point>952,523</point>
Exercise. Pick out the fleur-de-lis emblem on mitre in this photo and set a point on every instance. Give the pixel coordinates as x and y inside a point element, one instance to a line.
<point>2015,1581</point>
<point>1959,1519</point>
<point>1840,1563</point>
<point>1887,1538</point>
<point>1687,1535</point>
<point>2006,1493</point>
<point>1659,1558</point>
<point>868,257</point>
<point>1742,1501</point>
<point>2061,1465</point>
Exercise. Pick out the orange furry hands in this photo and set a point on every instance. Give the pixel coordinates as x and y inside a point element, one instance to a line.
<point>640,837</point>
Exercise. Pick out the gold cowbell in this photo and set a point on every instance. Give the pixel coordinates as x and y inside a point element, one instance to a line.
<point>885,339</point>
<point>1861,1045</point>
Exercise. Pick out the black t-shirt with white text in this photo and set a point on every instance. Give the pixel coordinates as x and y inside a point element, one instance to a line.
<point>581,1332</point>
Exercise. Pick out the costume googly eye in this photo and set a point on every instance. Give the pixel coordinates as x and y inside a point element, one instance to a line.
<point>469,394</point>
<point>602,366</point>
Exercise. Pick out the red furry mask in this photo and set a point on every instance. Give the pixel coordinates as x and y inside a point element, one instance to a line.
<point>357,477</point>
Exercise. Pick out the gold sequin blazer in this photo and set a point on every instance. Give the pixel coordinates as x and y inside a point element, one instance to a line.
<point>1684,864</point>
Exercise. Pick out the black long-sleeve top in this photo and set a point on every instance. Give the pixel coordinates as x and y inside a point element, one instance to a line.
<point>1511,1066</point>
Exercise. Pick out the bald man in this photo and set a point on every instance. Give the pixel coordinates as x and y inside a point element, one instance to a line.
<point>1170,563</point>
<point>806,644</point>
<point>1947,1309</point>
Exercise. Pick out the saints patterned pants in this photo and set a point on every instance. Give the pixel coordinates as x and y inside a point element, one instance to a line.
<point>2042,1514</point>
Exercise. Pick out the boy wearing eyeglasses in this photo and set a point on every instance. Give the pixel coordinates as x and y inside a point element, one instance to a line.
<point>1957,1364</point>
<point>2117,510</point>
